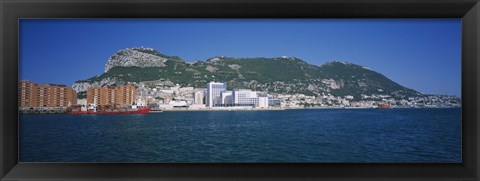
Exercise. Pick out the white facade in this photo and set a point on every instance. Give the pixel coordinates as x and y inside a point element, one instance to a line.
<point>245,97</point>
<point>217,95</point>
<point>165,106</point>
<point>213,93</point>
<point>263,102</point>
<point>197,107</point>
<point>226,97</point>
<point>178,103</point>
<point>82,102</point>
<point>198,96</point>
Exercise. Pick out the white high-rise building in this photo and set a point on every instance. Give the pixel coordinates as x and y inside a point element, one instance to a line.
<point>213,93</point>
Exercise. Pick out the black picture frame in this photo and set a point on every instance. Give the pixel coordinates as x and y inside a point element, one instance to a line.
<point>12,10</point>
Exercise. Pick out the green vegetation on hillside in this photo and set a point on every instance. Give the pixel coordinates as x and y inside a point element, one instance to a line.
<point>359,80</point>
<point>280,75</point>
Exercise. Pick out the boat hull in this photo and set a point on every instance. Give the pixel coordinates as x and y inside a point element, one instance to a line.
<point>383,106</point>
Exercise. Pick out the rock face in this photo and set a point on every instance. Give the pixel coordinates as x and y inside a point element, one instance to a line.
<point>82,86</point>
<point>136,57</point>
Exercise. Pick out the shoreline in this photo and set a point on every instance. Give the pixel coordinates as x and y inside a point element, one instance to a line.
<point>225,109</point>
<point>285,109</point>
<point>59,111</point>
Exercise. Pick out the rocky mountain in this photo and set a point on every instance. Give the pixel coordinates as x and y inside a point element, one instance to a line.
<point>275,75</point>
<point>136,57</point>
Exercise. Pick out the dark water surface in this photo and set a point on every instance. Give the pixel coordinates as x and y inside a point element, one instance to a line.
<point>332,135</point>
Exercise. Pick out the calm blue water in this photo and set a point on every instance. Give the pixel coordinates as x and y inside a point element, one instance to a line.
<point>341,135</point>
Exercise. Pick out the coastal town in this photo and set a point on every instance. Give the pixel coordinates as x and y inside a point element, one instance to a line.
<point>53,98</point>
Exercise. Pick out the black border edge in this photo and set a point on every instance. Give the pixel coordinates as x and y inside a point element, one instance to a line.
<point>8,94</point>
<point>11,10</point>
<point>470,73</point>
<point>2,171</point>
<point>241,8</point>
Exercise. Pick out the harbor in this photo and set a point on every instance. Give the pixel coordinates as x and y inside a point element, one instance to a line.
<point>133,98</point>
<point>301,135</point>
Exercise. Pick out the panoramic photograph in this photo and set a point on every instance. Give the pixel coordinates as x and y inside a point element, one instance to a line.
<point>240,90</point>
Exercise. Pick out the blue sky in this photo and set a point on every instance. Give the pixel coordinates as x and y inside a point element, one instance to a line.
<point>423,54</point>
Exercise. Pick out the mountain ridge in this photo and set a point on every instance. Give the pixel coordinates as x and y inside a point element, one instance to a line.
<point>278,74</point>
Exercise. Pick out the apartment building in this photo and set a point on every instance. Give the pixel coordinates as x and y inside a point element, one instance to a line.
<point>45,95</point>
<point>112,95</point>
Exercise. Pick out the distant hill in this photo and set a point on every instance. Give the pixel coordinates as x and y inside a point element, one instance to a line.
<point>275,75</point>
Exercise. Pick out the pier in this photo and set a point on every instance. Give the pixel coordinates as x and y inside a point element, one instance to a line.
<point>43,110</point>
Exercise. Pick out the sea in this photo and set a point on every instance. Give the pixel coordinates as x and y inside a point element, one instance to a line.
<point>414,135</point>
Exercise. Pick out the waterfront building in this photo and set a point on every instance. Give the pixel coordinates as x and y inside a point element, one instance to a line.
<point>262,102</point>
<point>213,93</point>
<point>198,96</point>
<point>245,97</point>
<point>218,96</point>
<point>112,95</point>
<point>45,95</point>
<point>178,103</point>
<point>226,98</point>
<point>82,102</point>
<point>101,96</point>
<point>26,93</point>
<point>274,102</point>
<point>125,94</point>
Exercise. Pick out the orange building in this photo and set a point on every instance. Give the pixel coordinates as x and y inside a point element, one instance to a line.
<point>113,95</point>
<point>43,95</point>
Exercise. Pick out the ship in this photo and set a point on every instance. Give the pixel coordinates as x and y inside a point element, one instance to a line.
<point>92,109</point>
<point>383,106</point>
